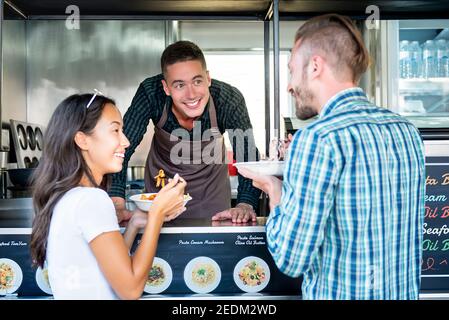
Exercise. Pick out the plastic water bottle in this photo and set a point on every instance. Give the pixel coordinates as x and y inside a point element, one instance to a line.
<point>404,59</point>
<point>443,59</point>
<point>415,59</point>
<point>429,59</point>
<point>445,63</point>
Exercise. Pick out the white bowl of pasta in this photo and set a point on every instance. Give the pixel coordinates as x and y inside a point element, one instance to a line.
<point>143,201</point>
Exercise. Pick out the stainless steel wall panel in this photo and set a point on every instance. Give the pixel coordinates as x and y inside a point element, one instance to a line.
<point>112,56</point>
<point>14,71</point>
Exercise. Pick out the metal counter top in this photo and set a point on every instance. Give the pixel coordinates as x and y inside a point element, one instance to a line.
<point>18,214</point>
<point>209,226</point>
<point>19,221</point>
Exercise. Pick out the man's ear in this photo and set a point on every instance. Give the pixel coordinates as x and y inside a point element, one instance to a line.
<point>165,86</point>
<point>209,81</point>
<point>81,141</point>
<point>316,66</point>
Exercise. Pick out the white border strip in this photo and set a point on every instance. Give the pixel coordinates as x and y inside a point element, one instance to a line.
<point>423,296</point>
<point>15,231</point>
<point>166,230</point>
<point>213,229</point>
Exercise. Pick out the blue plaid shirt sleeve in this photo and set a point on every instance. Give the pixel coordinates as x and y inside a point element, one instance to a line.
<point>295,228</point>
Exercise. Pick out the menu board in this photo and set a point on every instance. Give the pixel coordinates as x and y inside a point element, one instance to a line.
<point>216,263</point>
<point>22,278</point>
<point>435,262</point>
<point>185,264</point>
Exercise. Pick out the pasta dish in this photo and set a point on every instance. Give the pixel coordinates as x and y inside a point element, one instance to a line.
<point>6,276</point>
<point>45,276</point>
<point>252,274</point>
<point>156,276</point>
<point>203,274</point>
<point>151,197</point>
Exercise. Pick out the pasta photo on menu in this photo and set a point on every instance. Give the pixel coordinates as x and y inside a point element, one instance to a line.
<point>42,280</point>
<point>202,275</point>
<point>251,274</point>
<point>160,276</point>
<point>10,276</point>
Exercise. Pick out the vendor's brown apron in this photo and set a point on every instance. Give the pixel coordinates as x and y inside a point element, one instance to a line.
<point>207,183</point>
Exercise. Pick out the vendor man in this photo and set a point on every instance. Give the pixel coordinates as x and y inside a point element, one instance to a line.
<point>184,99</point>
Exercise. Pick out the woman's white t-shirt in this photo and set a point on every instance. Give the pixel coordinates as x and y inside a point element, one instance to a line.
<point>78,217</point>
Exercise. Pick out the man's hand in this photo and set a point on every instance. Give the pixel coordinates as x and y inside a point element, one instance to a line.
<point>288,141</point>
<point>123,214</point>
<point>242,213</point>
<point>283,147</point>
<point>229,223</point>
<point>272,186</point>
<point>286,144</point>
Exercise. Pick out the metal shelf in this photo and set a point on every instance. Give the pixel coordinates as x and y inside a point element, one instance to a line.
<point>431,86</point>
<point>257,9</point>
<point>163,9</point>
<point>428,80</point>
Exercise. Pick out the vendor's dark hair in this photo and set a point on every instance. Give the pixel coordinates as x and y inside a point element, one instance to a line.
<point>62,165</point>
<point>181,51</point>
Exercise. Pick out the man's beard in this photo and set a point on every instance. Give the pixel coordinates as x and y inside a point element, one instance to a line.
<point>303,99</point>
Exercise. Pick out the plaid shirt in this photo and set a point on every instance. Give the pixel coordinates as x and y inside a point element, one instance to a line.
<point>352,204</point>
<point>148,103</point>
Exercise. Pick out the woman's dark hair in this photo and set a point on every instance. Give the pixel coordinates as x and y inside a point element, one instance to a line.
<point>181,51</point>
<point>62,165</point>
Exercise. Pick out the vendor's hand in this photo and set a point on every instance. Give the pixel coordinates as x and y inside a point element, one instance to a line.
<point>229,223</point>
<point>123,214</point>
<point>242,213</point>
<point>272,186</point>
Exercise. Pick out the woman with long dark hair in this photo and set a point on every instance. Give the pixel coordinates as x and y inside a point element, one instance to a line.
<point>75,227</point>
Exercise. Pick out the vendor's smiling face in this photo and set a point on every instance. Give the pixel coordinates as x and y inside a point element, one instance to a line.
<point>188,84</point>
